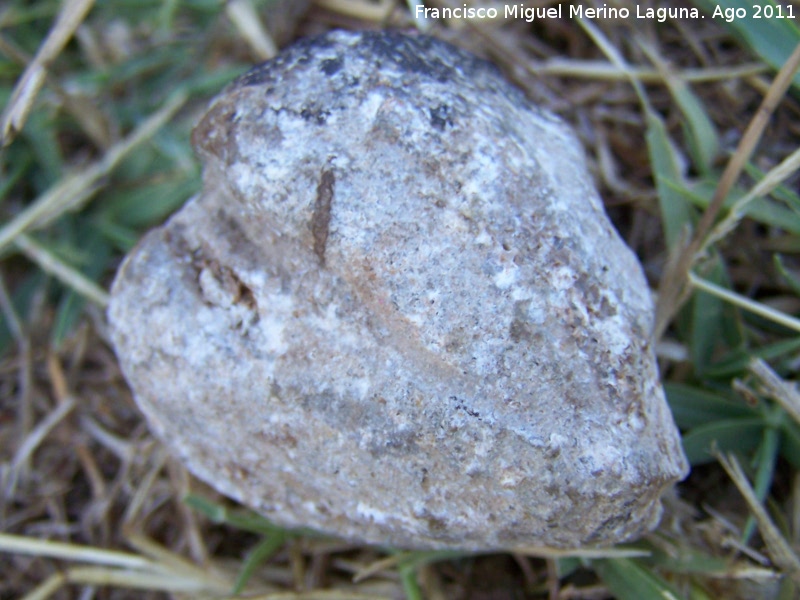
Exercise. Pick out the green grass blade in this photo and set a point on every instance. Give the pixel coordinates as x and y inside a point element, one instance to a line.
<point>417,559</point>
<point>40,136</point>
<point>693,407</point>
<point>790,442</point>
<point>780,192</point>
<point>701,135</point>
<point>780,550</point>
<point>220,514</point>
<point>263,551</point>
<point>68,315</point>
<point>758,309</point>
<point>121,237</point>
<point>764,210</point>
<point>244,519</point>
<point>13,170</point>
<point>688,561</point>
<point>765,459</point>
<point>737,361</point>
<point>794,282</point>
<point>677,214</point>
<point>147,205</point>
<point>22,301</point>
<point>408,577</point>
<point>714,322</point>
<point>772,39</point>
<point>628,580</point>
<point>733,435</point>
<point>788,590</point>
<point>567,566</point>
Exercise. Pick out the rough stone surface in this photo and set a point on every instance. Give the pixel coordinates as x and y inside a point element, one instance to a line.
<point>398,313</point>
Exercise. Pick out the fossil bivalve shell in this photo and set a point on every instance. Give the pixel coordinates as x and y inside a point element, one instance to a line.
<point>397,312</point>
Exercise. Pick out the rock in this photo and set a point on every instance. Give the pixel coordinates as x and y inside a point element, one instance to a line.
<point>398,313</point>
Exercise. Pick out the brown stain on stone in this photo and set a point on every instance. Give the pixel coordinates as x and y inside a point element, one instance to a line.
<point>237,290</point>
<point>321,218</point>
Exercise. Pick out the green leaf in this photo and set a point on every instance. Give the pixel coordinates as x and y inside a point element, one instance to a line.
<point>701,135</point>
<point>244,519</point>
<point>763,210</point>
<point>677,214</point>
<point>689,561</point>
<point>782,193</point>
<point>713,321</point>
<point>203,83</point>
<point>148,205</point>
<point>790,442</point>
<point>85,249</point>
<point>11,174</point>
<point>788,590</point>
<point>217,513</point>
<point>44,146</point>
<point>629,580</point>
<point>257,557</point>
<point>419,558</point>
<point>773,39</point>
<point>790,279</point>
<point>736,361</point>
<point>693,407</point>
<point>22,301</point>
<point>408,577</point>
<point>734,435</point>
<point>68,316</point>
<point>765,459</point>
<point>566,566</point>
<point>121,237</point>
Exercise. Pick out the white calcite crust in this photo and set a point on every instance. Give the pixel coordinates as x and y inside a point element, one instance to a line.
<point>398,313</point>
